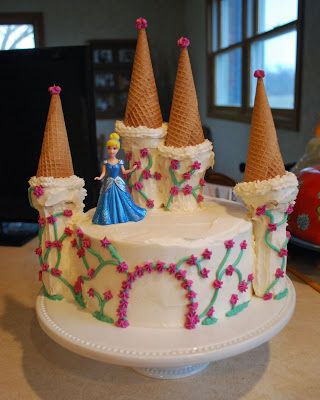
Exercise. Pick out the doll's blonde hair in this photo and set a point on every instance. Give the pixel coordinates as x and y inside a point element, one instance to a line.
<point>114,140</point>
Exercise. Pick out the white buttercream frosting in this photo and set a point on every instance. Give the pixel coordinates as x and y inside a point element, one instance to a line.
<point>140,131</point>
<point>50,181</point>
<point>180,153</point>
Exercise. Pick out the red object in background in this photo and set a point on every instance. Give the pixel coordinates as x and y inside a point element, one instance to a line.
<point>304,222</point>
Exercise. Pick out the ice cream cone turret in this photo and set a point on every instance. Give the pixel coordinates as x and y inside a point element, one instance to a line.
<point>269,193</point>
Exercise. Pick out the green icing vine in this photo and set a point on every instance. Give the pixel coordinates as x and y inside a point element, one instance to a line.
<point>237,309</point>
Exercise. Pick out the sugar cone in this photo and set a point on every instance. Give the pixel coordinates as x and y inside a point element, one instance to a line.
<point>317,130</point>
<point>264,159</point>
<point>55,159</point>
<point>143,107</point>
<point>184,127</point>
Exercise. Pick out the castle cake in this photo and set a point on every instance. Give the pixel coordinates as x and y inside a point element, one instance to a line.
<point>189,261</point>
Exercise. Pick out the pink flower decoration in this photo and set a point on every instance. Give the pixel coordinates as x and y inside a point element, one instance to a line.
<point>56,272</point>
<point>196,165</point>
<point>128,156</point>
<point>122,313</point>
<point>138,186</point>
<point>139,271</point>
<point>250,277</point>
<point>91,292</point>
<point>138,164</point>
<point>124,294</point>
<point>81,252</point>
<point>180,275</point>
<point>74,242</point>
<point>77,286</point>
<point>131,277</point>
<point>44,267</point>
<point>68,231</point>
<point>141,23</point>
<point>234,299</point>
<point>229,244</point>
<point>122,323</point>
<point>187,284</point>
<point>202,182</point>
<point>79,233</point>
<point>210,312</point>
<point>107,295</point>
<point>200,198</point>
<point>192,319</point>
<point>229,270</point>
<point>122,267</point>
<point>288,234</point>
<point>290,209</point>
<point>174,190</point>
<point>207,254</point>
<point>51,219</point>
<point>86,243</point>
<point>126,285</point>
<point>272,227</point>
<point>146,174</point>
<point>150,203</point>
<point>40,276</point>
<point>267,296</point>
<point>148,267</point>
<point>157,176</point>
<point>183,42</point>
<point>187,190</point>
<point>160,266</point>
<point>192,260</point>
<point>41,221</point>
<point>243,286</point>
<point>91,273</point>
<point>204,273</point>
<point>172,268</point>
<point>48,244</point>
<point>144,152</point>
<point>186,176</point>
<point>261,210</point>
<point>193,306</point>
<point>57,244</point>
<point>259,73</point>
<point>217,284</point>
<point>67,213</point>
<point>54,89</point>
<point>38,191</point>
<point>243,245</point>
<point>38,251</point>
<point>175,164</point>
<point>279,273</point>
<point>283,252</point>
<point>105,242</point>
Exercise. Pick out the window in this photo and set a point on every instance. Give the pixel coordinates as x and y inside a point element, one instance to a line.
<point>21,30</point>
<point>245,35</point>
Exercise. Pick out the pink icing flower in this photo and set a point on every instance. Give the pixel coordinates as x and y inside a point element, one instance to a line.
<point>57,244</point>
<point>131,277</point>
<point>56,272</point>
<point>91,292</point>
<point>122,313</point>
<point>174,190</point>
<point>210,312</point>
<point>128,156</point>
<point>107,295</point>
<point>243,245</point>
<point>250,277</point>
<point>183,42</point>
<point>78,285</point>
<point>44,267</point>
<point>229,270</point>
<point>186,176</point>
<point>41,222</point>
<point>290,209</point>
<point>124,294</point>
<point>204,273</point>
<point>243,286</point>
<point>148,267</point>
<point>259,73</point>
<point>202,182</point>
<point>48,244</point>
<point>122,267</point>
<point>91,273</point>
<point>138,186</point>
<point>105,242</point>
<point>146,174</point>
<point>193,306</point>
<point>187,284</point>
<point>74,242</point>
<point>123,304</point>
<point>172,268</point>
<point>54,89</point>
<point>138,164</point>
<point>126,285</point>
<point>288,234</point>
<point>283,252</point>
<point>229,244</point>
<point>196,165</point>
<point>150,203</point>
<point>38,191</point>
<point>144,152</point>
<point>192,319</point>
<point>207,254</point>
<point>279,273</point>
<point>175,164</point>
<point>261,210</point>
<point>267,296</point>
<point>272,227</point>
<point>139,271</point>
<point>157,176</point>
<point>79,233</point>
<point>180,275</point>
<point>51,219</point>
<point>217,284</point>
<point>40,276</point>
<point>38,251</point>
<point>67,213</point>
<point>160,266</point>
<point>200,198</point>
<point>192,260</point>
<point>81,252</point>
<point>86,243</point>
<point>187,190</point>
<point>122,323</point>
<point>141,23</point>
<point>234,299</point>
<point>68,231</point>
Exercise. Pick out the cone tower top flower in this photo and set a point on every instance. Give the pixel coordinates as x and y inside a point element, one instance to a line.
<point>143,107</point>
<point>55,159</point>
<point>185,127</point>
<point>264,160</point>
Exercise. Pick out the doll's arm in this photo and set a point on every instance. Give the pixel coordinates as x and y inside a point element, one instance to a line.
<point>128,171</point>
<point>103,173</point>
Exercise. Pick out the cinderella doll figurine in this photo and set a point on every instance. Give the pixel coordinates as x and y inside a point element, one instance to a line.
<point>115,203</point>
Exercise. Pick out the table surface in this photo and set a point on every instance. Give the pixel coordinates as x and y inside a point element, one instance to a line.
<point>32,366</point>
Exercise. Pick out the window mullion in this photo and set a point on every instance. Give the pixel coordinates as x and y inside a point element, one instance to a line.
<point>219,25</point>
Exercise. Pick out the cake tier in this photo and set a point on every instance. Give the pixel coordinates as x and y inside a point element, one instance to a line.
<point>171,269</point>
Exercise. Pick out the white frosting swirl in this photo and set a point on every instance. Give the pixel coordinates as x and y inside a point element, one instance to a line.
<point>50,181</point>
<point>180,153</point>
<point>140,131</point>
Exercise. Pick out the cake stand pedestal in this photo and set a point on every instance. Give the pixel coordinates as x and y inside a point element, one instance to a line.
<point>164,353</point>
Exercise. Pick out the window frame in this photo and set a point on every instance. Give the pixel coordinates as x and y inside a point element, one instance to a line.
<point>28,18</point>
<point>283,118</point>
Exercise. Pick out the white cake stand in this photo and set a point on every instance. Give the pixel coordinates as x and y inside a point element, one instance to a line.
<point>164,353</point>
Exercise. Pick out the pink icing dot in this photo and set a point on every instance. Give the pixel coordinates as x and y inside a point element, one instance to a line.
<point>54,89</point>
<point>259,73</point>
<point>141,23</point>
<point>183,42</point>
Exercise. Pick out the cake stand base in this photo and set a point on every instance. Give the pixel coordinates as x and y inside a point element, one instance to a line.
<point>164,353</point>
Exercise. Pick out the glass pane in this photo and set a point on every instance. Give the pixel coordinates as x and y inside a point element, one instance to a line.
<point>277,57</point>
<point>16,37</point>
<point>272,13</point>
<point>228,78</point>
<point>231,22</point>
<point>215,25</point>
<point>250,18</point>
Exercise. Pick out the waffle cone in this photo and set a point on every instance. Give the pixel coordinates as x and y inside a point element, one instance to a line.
<point>184,127</point>
<point>55,159</point>
<point>264,159</point>
<point>317,130</point>
<point>143,107</point>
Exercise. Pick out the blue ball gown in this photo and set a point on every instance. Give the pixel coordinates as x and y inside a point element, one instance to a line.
<point>115,203</point>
